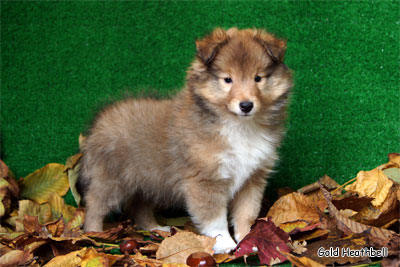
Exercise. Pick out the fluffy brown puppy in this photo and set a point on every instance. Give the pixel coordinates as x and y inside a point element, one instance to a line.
<point>209,149</point>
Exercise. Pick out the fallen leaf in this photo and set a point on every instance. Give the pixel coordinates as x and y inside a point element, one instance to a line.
<point>72,167</point>
<point>327,181</point>
<point>267,239</point>
<point>298,247</point>
<point>310,235</point>
<point>394,160</point>
<point>347,212</point>
<point>293,207</point>
<point>110,234</point>
<point>392,260</point>
<point>16,257</point>
<point>59,208</point>
<point>223,258</point>
<point>374,184</point>
<point>349,226</point>
<point>31,224</point>
<point>177,248</point>
<point>298,226</point>
<point>9,191</point>
<point>383,214</point>
<point>42,183</point>
<point>72,259</point>
<point>72,161</point>
<point>92,258</point>
<point>352,202</point>
<point>329,251</point>
<point>149,249</point>
<point>77,219</point>
<point>28,207</point>
<point>302,261</point>
<point>393,173</point>
<point>3,169</point>
<point>149,262</point>
<point>56,228</point>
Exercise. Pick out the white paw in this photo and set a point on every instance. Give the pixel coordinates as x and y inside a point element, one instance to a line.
<point>224,244</point>
<point>162,228</point>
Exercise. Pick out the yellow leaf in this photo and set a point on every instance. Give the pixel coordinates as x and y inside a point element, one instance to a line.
<point>293,207</point>
<point>177,248</point>
<point>73,175</point>
<point>290,226</point>
<point>28,207</point>
<point>40,184</point>
<point>94,259</point>
<point>59,208</point>
<point>374,184</point>
<point>69,260</point>
<point>77,220</point>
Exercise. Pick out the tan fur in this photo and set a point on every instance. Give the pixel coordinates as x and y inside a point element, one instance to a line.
<point>178,152</point>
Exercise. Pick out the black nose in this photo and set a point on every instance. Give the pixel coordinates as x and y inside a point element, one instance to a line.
<point>246,106</point>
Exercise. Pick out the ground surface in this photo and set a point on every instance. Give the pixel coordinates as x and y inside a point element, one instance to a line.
<point>59,61</point>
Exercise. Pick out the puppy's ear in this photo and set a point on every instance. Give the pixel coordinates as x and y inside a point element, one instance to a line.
<point>275,47</point>
<point>207,48</point>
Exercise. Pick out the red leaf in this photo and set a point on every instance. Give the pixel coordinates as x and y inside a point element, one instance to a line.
<point>265,237</point>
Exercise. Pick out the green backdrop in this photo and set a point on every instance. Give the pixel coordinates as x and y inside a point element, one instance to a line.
<point>60,60</point>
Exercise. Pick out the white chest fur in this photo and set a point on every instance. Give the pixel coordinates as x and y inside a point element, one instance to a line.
<point>250,148</point>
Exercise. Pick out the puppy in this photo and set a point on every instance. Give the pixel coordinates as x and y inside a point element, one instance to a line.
<point>208,149</point>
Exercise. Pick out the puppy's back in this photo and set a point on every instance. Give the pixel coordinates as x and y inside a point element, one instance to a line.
<point>126,145</point>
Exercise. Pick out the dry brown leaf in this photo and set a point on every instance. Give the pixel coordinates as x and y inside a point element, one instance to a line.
<point>150,248</point>
<point>348,212</point>
<point>56,228</point>
<point>315,250</point>
<point>374,184</point>
<point>314,234</point>
<point>302,261</point>
<point>352,202</point>
<point>29,207</point>
<point>147,262</point>
<point>327,181</point>
<point>72,161</point>
<point>223,258</point>
<point>349,226</point>
<point>59,208</point>
<point>293,207</point>
<point>177,248</point>
<point>383,214</point>
<point>15,257</point>
<point>3,169</point>
<point>72,259</point>
<point>394,160</point>
<point>92,258</point>
<point>110,234</point>
<point>298,247</point>
<point>289,227</point>
<point>31,225</point>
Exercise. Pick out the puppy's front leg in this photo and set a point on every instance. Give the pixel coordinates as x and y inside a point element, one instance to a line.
<point>207,203</point>
<point>247,203</point>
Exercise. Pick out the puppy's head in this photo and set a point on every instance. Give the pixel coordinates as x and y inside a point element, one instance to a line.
<point>240,71</point>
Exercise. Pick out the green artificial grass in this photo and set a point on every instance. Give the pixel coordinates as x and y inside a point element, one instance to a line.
<point>60,60</point>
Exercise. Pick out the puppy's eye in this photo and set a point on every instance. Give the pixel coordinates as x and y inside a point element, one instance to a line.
<point>228,80</point>
<point>257,79</point>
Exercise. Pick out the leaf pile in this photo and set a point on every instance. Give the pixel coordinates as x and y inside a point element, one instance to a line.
<point>39,229</point>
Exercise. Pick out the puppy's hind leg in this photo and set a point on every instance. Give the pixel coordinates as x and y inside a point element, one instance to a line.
<point>100,200</point>
<point>96,210</point>
<point>142,213</point>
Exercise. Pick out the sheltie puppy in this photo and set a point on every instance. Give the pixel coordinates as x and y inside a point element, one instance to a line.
<point>209,149</point>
